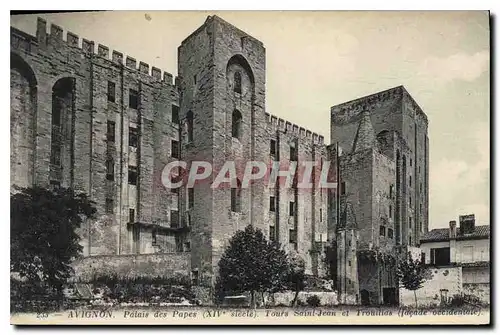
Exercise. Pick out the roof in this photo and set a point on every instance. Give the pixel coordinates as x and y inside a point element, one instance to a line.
<point>443,234</point>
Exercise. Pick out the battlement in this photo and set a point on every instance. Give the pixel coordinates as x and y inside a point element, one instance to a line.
<point>57,39</point>
<point>366,102</point>
<point>279,124</point>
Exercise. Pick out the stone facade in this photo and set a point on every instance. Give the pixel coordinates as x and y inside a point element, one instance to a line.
<point>383,174</point>
<point>105,124</point>
<point>85,117</point>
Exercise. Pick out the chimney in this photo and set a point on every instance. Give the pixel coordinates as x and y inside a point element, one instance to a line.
<point>467,223</point>
<point>453,229</point>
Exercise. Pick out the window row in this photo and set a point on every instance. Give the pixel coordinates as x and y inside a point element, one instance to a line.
<point>390,232</point>
<point>110,172</point>
<point>134,139</point>
<point>133,136</point>
<point>293,150</point>
<point>133,100</point>
<point>133,95</point>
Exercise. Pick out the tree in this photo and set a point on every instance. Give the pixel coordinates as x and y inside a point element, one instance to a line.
<point>296,277</point>
<point>413,274</point>
<point>43,227</point>
<point>251,263</point>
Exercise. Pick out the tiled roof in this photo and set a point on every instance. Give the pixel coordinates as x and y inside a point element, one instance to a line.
<point>443,234</point>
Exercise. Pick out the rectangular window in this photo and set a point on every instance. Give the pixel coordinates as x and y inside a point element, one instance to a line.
<point>235,200</point>
<point>174,219</point>
<point>390,211</point>
<point>390,233</point>
<point>391,190</point>
<point>409,222</point>
<point>175,114</point>
<point>110,134</point>
<point>293,154</point>
<point>272,148</point>
<point>272,233</point>
<point>422,258</point>
<point>194,277</point>
<point>411,162</point>
<point>110,169</point>
<point>131,215</point>
<point>136,236</point>
<point>382,231</point>
<point>133,99</point>
<point>272,204</point>
<point>153,237</point>
<point>410,200</point>
<point>320,215</point>
<point>187,246</point>
<point>410,181</point>
<point>190,198</point>
<point>109,206</point>
<point>132,175</point>
<point>342,188</point>
<point>292,208</point>
<point>132,137</point>
<point>175,149</point>
<point>292,234</point>
<point>111,91</point>
<point>440,256</point>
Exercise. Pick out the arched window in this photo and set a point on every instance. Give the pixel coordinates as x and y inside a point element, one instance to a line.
<point>236,197</point>
<point>236,124</point>
<point>237,82</point>
<point>189,125</point>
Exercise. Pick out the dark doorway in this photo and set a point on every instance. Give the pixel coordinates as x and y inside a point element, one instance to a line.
<point>389,294</point>
<point>365,297</point>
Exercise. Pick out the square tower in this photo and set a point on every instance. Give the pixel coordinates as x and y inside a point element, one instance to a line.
<point>222,84</point>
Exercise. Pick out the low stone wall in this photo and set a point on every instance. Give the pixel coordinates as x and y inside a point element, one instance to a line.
<point>285,298</point>
<point>144,265</point>
<point>446,282</point>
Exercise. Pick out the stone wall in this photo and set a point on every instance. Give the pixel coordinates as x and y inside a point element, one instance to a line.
<point>56,59</point>
<point>131,266</point>
<point>285,298</point>
<point>446,282</point>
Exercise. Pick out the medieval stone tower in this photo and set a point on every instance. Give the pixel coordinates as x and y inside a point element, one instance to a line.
<point>222,80</point>
<point>384,175</point>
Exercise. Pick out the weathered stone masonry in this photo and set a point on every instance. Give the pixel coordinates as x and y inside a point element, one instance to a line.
<point>85,117</point>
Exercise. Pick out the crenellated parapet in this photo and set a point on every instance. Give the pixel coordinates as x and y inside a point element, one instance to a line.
<point>345,111</point>
<point>350,109</point>
<point>279,124</point>
<point>72,42</point>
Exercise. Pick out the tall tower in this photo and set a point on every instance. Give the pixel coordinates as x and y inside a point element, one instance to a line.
<point>222,84</point>
<point>400,128</point>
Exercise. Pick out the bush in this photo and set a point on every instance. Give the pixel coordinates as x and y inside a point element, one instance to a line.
<point>457,300</point>
<point>313,301</point>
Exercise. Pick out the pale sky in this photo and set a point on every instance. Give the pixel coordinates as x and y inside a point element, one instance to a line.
<point>319,59</point>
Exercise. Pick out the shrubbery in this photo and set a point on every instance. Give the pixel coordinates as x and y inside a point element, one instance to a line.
<point>313,301</point>
<point>144,289</point>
